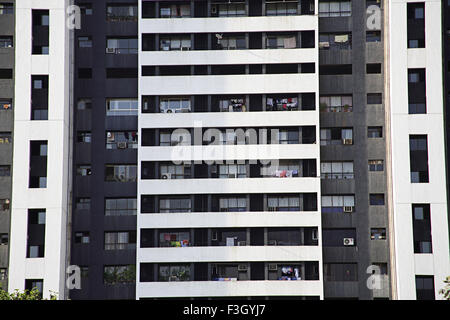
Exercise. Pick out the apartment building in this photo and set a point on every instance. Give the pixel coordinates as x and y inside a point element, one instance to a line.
<point>42,156</point>
<point>353,150</point>
<point>6,130</point>
<point>420,210</point>
<point>213,149</point>
<point>229,187</point>
<point>103,241</point>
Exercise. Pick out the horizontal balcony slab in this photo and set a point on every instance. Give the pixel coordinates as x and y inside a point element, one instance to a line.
<point>229,84</point>
<point>229,152</point>
<point>214,57</point>
<point>230,219</point>
<point>233,254</point>
<point>219,186</point>
<point>229,24</point>
<point>230,288</point>
<point>229,119</point>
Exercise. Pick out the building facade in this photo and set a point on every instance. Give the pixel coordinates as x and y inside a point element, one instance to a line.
<point>211,149</point>
<point>7,18</point>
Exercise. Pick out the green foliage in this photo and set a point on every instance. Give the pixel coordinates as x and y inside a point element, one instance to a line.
<point>446,290</point>
<point>33,294</point>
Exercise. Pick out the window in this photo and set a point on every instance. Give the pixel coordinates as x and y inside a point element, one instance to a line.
<point>4,239</point>
<point>286,136</point>
<point>172,171</point>
<point>285,41</point>
<point>122,107</point>
<point>120,173</point>
<point>84,170</point>
<point>121,12</point>
<point>232,171</point>
<point>36,233</point>
<point>175,42</point>
<point>376,199</point>
<point>174,104</point>
<point>233,204</point>
<point>283,203</point>
<point>340,271</point>
<point>336,41</point>
<point>121,73</point>
<point>417,100</point>
<point>175,11</point>
<point>377,234</point>
<point>40,31</point>
<point>84,104</point>
<point>5,138</point>
<point>3,274</point>
<point>6,42</point>
<point>4,204</point>
<point>84,137</point>
<point>226,9</point>
<point>336,103</point>
<point>85,42</point>
<point>281,8</point>
<point>166,138</point>
<point>335,9</point>
<point>422,228</point>
<point>425,288</point>
<point>6,73</point>
<point>339,237</point>
<point>86,9</point>
<point>376,165</point>
<point>232,105</point>
<point>418,157</point>
<point>122,45</point>
<point>374,132</point>
<point>5,104</point>
<point>230,42</point>
<point>374,98</point>
<point>31,284</point>
<point>338,203</point>
<point>82,237</point>
<point>373,68</point>
<point>174,272</point>
<point>121,140</point>
<point>416,25</point>
<point>337,170</point>
<point>84,73</point>
<point>175,205</point>
<point>119,274</point>
<point>38,164</point>
<point>174,238</point>
<point>120,240</point>
<point>373,36</point>
<point>6,8</point>
<point>83,204</point>
<point>5,171</point>
<point>120,207</point>
<point>281,103</point>
<point>333,136</point>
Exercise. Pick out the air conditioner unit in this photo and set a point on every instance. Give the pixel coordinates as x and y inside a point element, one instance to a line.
<point>242,267</point>
<point>169,110</point>
<point>242,243</point>
<point>324,44</point>
<point>121,145</point>
<point>110,50</point>
<point>214,9</point>
<point>166,176</point>
<point>214,235</point>
<point>273,267</point>
<point>349,242</point>
<point>348,209</point>
<point>347,141</point>
<point>272,242</point>
<point>232,175</point>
